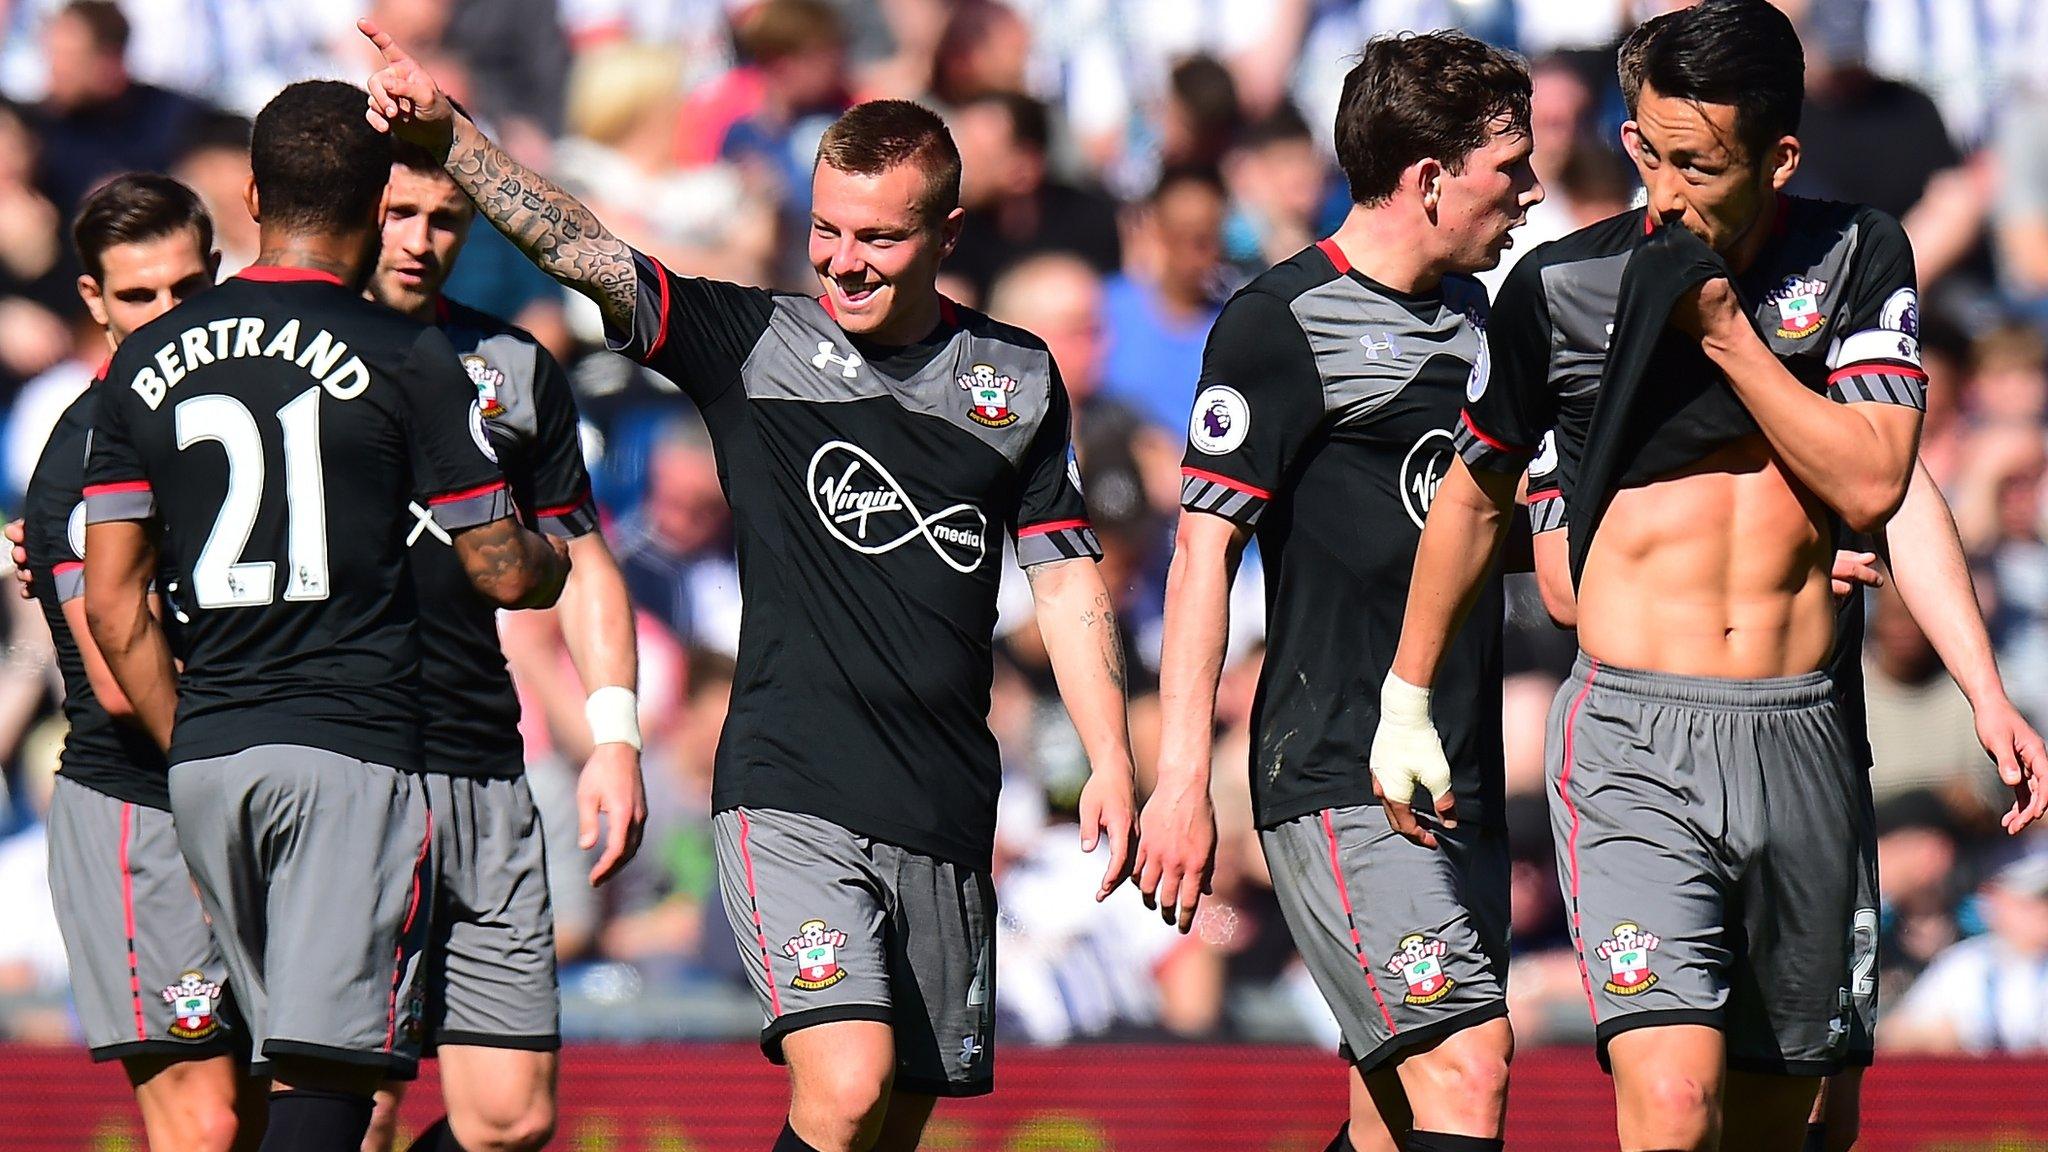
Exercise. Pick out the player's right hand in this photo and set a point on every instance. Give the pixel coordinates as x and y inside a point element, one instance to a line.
<point>1176,851</point>
<point>1407,754</point>
<point>24,580</point>
<point>404,100</point>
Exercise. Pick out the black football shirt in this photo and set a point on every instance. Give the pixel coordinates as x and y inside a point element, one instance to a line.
<point>277,427</point>
<point>528,425</point>
<point>1323,422</point>
<point>110,757</point>
<point>872,489</point>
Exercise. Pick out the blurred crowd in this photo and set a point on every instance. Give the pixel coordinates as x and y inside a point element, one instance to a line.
<point>1126,164</point>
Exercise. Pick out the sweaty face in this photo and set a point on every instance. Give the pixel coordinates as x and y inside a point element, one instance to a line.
<point>876,256</point>
<point>1479,205</point>
<point>143,280</point>
<point>426,219</point>
<point>1697,172</point>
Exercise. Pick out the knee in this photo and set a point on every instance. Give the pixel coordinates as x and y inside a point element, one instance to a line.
<point>1675,1098</point>
<point>848,1102</point>
<point>511,1129</point>
<point>1470,1079</point>
<point>213,1127</point>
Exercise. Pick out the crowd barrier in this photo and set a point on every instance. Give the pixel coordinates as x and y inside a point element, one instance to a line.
<point>1093,1098</point>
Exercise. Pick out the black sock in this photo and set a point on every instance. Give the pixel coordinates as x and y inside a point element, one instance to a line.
<point>1420,1141</point>
<point>305,1120</point>
<point>1816,1138</point>
<point>789,1141</point>
<point>438,1137</point>
<point>1342,1141</point>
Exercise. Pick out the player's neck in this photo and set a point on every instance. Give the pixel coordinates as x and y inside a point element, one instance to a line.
<point>1387,248</point>
<point>1750,244</point>
<point>908,324</point>
<point>340,256</point>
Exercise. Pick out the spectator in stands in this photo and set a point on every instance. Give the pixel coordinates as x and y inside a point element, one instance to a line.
<point>1015,209</point>
<point>37,268</point>
<point>1277,181</point>
<point>32,961</point>
<point>1922,732</point>
<point>215,164</point>
<point>676,551</point>
<point>1917,884</point>
<point>1989,994</point>
<point>1159,309</point>
<point>796,53</point>
<point>982,52</point>
<point>96,120</point>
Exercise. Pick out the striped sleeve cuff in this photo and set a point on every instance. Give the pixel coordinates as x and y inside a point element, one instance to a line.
<point>124,500</point>
<point>1056,540</point>
<point>483,504</point>
<point>1879,382</point>
<point>1546,511</point>
<point>1219,495</point>
<point>568,521</point>
<point>69,580</point>
<point>1484,452</point>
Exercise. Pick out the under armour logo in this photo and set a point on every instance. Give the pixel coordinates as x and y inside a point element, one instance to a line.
<point>849,364</point>
<point>424,522</point>
<point>970,1051</point>
<point>1373,349</point>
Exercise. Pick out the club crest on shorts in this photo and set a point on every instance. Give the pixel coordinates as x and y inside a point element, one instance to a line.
<point>815,948</point>
<point>1798,301</point>
<point>487,380</point>
<point>1419,960</point>
<point>990,391</point>
<point>194,1000</point>
<point>1627,953</point>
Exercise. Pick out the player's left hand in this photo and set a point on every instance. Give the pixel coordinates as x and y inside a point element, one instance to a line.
<point>1854,570</point>
<point>1107,807</point>
<point>610,786</point>
<point>2022,760</point>
<point>24,580</point>
<point>404,99</point>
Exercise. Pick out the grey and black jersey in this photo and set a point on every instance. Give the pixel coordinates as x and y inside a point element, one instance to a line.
<point>1832,293</point>
<point>1323,421</point>
<point>525,419</point>
<point>872,490</point>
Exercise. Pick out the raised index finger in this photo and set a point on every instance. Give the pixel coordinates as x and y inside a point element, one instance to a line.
<point>393,54</point>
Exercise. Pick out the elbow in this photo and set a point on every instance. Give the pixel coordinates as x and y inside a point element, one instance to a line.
<point>1873,506</point>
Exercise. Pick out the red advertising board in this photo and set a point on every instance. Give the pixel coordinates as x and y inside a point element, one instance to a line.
<point>1106,1098</point>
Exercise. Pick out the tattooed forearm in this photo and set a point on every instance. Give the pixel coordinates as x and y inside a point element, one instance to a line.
<point>511,566</point>
<point>561,236</point>
<point>1110,638</point>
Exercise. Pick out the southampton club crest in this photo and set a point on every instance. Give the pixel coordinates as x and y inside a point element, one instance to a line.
<point>1420,962</point>
<point>990,391</point>
<point>194,1001</point>
<point>1627,953</point>
<point>1798,301</point>
<point>815,948</point>
<point>487,380</point>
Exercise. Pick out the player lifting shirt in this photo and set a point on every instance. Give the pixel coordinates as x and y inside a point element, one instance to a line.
<point>267,436</point>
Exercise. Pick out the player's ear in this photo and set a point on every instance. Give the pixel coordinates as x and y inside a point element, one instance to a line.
<point>949,231</point>
<point>251,201</point>
<point>213,266</point>
<point>95,300</point>
<point>1783,160</point>
<point>1429,183</point>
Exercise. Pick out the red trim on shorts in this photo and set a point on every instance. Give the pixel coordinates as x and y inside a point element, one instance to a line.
<point>661,327</point>
<point>128,915</point>
<point>283,274</point>
<point>1875,368</point>
<point>1328,247</point>
<point>1357,945</point>
<point>1051,526</point>
<point>1546,494</point>
<point>466,494</point>
<point>117,488</point>
<point>1564,778</point>
<point>754,905</point>
<point>1466,419</point>
<point>1227,482</point>
<point>67,566</point>
<point>412,909</point>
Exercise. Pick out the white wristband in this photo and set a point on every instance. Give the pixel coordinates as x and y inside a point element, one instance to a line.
<point>1403,702</point>
<point>614,715</point>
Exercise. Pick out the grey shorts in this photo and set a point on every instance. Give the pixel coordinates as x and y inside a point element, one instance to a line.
<point>837,926</point>
<point>1707,843</point>
<point>315,870</point>
<point>1407,944</point>
<point>490,966</point>
<point>1860,999</point>
<point>146,974</point>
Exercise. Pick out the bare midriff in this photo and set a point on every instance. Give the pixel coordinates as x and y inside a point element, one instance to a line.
<point>1718,570</point>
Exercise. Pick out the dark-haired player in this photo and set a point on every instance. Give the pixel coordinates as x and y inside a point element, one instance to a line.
<point>149,981</point>
<point>266,437</point>
<point>491,1000</point>
<point>878,444</point>
<point>1705,783</point>
<point>1322,424</point>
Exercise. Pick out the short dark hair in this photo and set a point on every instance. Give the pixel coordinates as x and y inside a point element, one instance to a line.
<point>871,138</point>
<point>1283,125</point>
<point>132,208</point>
<point>407,155</point>
<point>1628,59</point>
<point>104,22</point>
<point>1742,53</point>
<point>1414,97</point>
<point>318,164</point>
